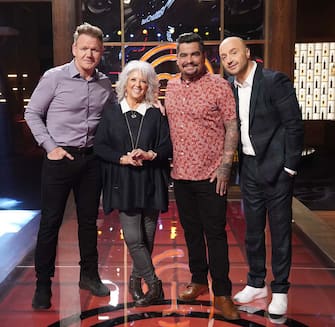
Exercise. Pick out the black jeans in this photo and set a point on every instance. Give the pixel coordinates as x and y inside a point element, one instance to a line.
<point>275,201</point>
<point>59,177</point>
<point>139,229</point>
<point>202,214</point>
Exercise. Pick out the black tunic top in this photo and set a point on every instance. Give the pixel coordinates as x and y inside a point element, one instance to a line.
<point>126,187</point>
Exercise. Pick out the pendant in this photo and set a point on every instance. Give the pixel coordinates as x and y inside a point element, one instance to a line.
<point>133,114</point>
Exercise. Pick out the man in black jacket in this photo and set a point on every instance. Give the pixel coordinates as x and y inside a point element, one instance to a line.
<point>271,144</point>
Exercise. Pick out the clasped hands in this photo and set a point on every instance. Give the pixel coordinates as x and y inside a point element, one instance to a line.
<point>136,157</point>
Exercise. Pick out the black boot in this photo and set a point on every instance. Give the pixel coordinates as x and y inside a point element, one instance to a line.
<point>42,296</point>
<point>135,287</point>
<point>93,284</point>
<point>154,295</point>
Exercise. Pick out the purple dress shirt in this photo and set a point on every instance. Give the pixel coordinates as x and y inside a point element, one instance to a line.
<point>65,109</point>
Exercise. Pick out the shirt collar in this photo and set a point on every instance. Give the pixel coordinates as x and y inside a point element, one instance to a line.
<point>249,79</point>
<point>75,73</point>
<point>142,108</point>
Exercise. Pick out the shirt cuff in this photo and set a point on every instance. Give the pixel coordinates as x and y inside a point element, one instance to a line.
<point>290,171</point>
<point>49,146</point>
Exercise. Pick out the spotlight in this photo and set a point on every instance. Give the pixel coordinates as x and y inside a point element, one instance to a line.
<point>7,203</point>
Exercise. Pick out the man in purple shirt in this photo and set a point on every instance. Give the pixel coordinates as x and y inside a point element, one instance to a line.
<point>63,115</point>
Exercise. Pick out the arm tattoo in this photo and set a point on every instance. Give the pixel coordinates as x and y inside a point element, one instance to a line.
<point>230,146</point>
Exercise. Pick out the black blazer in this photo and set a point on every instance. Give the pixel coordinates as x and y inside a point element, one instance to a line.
<point>275,123</point>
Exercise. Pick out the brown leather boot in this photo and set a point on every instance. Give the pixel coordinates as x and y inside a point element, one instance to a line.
<point>193,290</point>
<point>225,307</point>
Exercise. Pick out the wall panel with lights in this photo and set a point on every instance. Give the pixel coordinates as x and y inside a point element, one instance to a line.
<point>314,79</point>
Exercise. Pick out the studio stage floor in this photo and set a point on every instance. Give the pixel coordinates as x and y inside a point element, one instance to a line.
<point>311,297</point>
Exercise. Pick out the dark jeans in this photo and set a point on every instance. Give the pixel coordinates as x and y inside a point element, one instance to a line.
<point>139,228</point>
<point>59,177</point>
<point>261,199</point>
<point>202,214</point>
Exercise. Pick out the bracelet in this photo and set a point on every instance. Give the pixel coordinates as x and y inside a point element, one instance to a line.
<point>121,159</point>
<point>154,155</point>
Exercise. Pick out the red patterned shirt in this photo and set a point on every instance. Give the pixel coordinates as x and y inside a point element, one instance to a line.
<point>196,112</point>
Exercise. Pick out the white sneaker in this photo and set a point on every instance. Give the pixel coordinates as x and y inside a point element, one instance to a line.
<point>278,321</point>
<point>278,305</point>
<point>249,294</point>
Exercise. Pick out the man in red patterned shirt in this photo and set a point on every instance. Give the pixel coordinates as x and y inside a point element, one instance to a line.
<point>201,111</point>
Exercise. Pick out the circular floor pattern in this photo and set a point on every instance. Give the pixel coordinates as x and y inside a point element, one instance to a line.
<point>169,319</point>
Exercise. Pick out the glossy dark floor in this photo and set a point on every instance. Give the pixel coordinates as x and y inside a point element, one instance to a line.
<point>311,297</point>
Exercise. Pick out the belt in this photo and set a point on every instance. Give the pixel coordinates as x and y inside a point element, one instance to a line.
<point>75,150</point>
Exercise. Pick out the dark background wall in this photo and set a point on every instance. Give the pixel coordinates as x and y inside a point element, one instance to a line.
<point>31,50</point>
<point>28,50</point>
<point>315,21</point>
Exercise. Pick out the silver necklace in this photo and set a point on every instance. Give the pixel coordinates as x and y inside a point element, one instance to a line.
<point>133,114</point>
<point>134,145</point>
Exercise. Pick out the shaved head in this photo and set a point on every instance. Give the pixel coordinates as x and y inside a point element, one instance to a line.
<point>235,57</point>
<point>233,39</point>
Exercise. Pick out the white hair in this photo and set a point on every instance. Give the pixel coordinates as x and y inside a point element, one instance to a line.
<point>147,71</point>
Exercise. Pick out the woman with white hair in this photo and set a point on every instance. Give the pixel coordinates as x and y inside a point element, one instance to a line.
<point>134,144</point>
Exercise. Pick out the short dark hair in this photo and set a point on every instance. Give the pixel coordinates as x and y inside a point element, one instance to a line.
<point>189,38</point>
